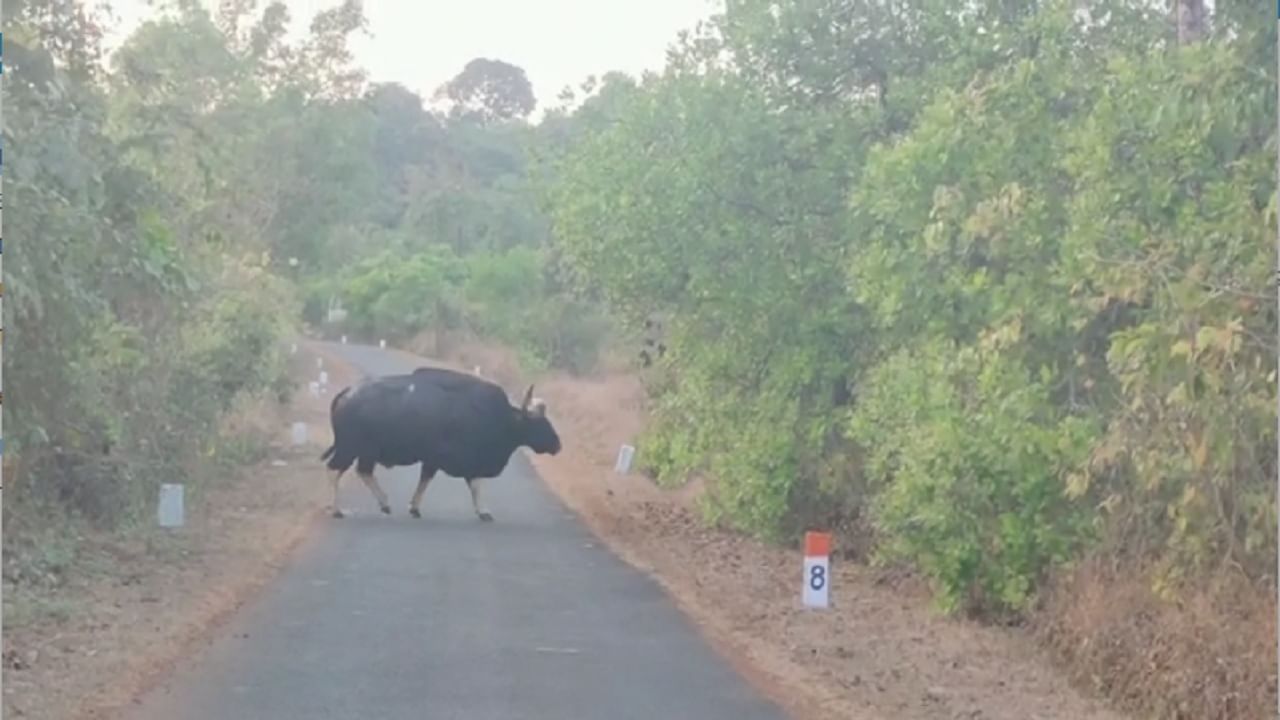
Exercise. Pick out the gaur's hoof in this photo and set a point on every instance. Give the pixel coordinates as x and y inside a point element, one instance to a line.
<point>486,517</point>
<point>386,509</point>
<point>414,512</point>
<point>338,513</point>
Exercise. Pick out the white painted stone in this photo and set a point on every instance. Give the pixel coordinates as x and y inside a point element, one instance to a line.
<point>626,454</point>
<point>170,509</point>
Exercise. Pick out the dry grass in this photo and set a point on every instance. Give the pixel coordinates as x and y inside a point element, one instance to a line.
<point>1209,656</point>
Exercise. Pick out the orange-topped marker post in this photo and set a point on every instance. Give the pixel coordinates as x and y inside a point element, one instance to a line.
<point>817,570</point>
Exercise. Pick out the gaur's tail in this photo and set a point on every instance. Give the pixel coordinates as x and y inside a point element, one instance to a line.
<point>333,406</point>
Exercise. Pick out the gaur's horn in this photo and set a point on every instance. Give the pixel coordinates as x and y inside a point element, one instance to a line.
<point>528,395</point>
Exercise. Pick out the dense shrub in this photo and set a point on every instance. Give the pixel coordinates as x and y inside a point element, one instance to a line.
<point>502,296</point>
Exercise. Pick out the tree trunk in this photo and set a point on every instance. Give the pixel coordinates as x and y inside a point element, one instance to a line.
<point>1191,20</point>
<point>439,330</point>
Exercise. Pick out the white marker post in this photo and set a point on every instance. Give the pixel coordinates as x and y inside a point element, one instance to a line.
<point>476,370</point>
<point>293,348</point>
<point>382,344</point>
<point>344,339</point>
<point>324,378</point>
<point>626,454</point>
<point>170,510</point>
<point>314,387</point>
<point>299,433</point>
<point>817,570</point>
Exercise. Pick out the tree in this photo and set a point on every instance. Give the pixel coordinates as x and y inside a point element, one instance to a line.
<point>1191,20</point>
<point>408,143</point>
<point>489,90</point>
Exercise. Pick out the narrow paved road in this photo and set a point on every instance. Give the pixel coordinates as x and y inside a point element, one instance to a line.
<point>526,618</point>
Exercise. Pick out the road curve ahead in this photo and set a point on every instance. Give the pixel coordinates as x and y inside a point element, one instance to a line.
<point>525,618</point>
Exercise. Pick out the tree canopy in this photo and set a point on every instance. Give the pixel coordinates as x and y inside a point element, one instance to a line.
<point>489,90</point>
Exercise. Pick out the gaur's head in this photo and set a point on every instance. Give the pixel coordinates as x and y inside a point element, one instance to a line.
<point>535,429</point>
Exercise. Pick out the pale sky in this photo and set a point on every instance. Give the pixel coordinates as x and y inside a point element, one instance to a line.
<point>423,43</point>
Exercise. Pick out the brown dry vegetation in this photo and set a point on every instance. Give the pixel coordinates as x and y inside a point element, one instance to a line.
<point>1211,655</point>
<point>135,604</point>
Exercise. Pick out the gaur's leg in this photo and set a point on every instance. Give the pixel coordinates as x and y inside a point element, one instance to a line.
<point>338,464</point>
<point>365,471</point>
<point>335,476</point>
<point>473,484</point>
<point>424,476</point>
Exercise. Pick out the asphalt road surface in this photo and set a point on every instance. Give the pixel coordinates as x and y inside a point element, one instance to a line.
<point>391,618</point>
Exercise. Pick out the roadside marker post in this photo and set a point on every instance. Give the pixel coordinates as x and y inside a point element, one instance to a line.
<point>626,454</point>
<point>324,379</point>
<point>299,433</point>
<point>344,339</point>
<point>314,387</point>
<point>382,344</point>
<point>170,509</point>
<point>817,570</point>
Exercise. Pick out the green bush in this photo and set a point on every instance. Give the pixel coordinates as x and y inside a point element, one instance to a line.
<point>508,298</point>
<point>1173,218</point>
<point>393,296</point>
<point>231,348</point>
<point>968,457</point>
<point>502,296</point>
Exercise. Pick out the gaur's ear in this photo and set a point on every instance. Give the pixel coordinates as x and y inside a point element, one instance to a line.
<point>528,395</point>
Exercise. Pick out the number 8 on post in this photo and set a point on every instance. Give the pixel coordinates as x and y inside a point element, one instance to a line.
<point>817,569</point>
